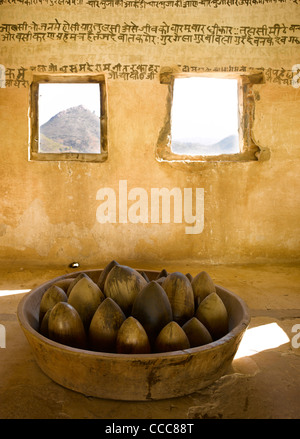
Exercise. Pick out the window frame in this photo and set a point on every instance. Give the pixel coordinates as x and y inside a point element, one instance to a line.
<point>35,154</point>
<point>249,150</point>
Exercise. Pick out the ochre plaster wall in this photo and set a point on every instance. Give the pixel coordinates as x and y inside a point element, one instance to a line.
<point>251,209</point>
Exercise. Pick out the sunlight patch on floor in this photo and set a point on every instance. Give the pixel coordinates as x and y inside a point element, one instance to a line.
<point>261,338</point>
<point>11,292</point>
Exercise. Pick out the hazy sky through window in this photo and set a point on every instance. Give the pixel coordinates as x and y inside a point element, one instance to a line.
<point>205,109</point>
<point>54,98</point>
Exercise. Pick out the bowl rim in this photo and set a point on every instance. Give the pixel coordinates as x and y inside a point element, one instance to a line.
<point>24,323</point>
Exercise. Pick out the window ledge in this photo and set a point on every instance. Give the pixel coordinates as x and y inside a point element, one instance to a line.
<point>78,157</point>
<point>164,154</point>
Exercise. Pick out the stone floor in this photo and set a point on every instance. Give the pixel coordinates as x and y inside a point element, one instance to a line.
<point>263,382</point>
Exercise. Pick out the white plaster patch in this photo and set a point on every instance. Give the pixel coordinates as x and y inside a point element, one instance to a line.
<point>35,231</point>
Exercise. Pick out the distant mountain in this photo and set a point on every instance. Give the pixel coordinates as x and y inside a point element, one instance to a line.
<point>76,129</point>
<point>228,145</point>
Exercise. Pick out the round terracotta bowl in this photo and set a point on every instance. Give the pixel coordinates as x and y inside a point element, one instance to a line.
<point>133,377</point>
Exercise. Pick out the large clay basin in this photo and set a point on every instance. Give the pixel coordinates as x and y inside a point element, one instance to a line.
<point>133,377</point>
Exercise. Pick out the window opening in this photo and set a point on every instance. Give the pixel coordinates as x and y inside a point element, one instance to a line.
<point>213,122</point>
<point>205,116</point>
<point>69,118</point>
